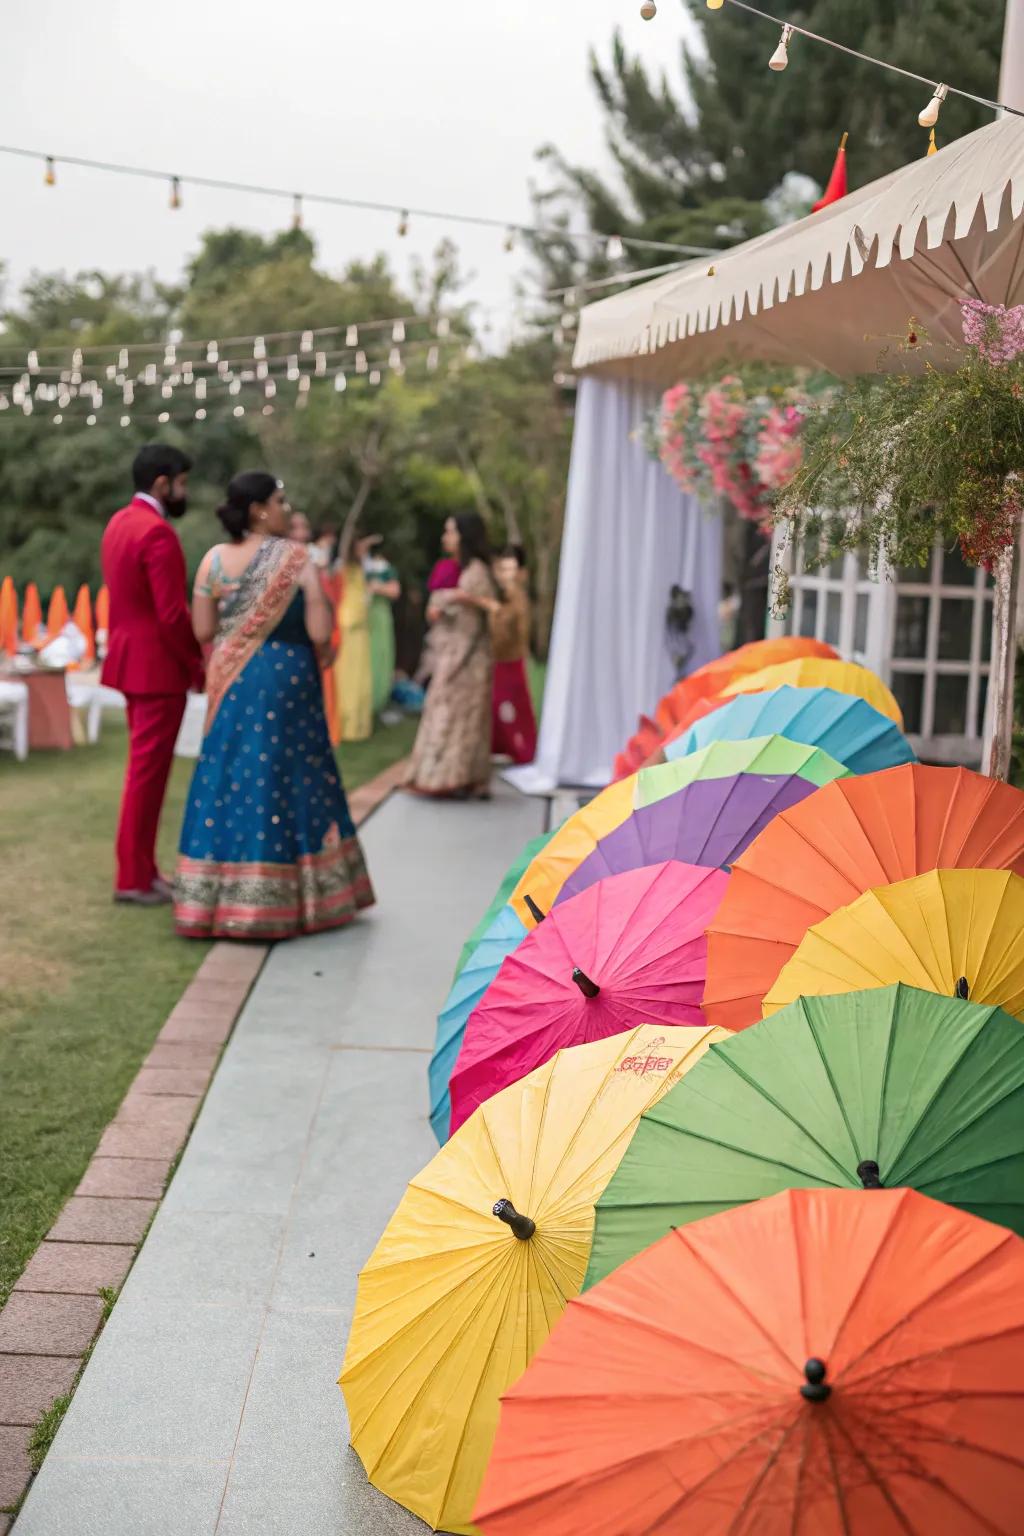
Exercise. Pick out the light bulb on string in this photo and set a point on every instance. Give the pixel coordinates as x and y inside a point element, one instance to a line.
<point>223,367</point>
<point>375,376</point>
<point>648,10</point>
<point>780,58</point>
<point>270,389</point>
<point>293,369</point>
<point>164,417</point>
<point>235,387</point>
<point>212,352</point>
<point>90,421</point>
<point>200,389</point>
<point>56,420</point>
<point>320,365</point>
<point>304,384</point>
<point>166,392</point>
<point>128,393</point>
<point>33,362</point>
<point>175,201</point>
<point>715,5</point>
<point>361,364</point>
<point>614,250</point>
<point>297,211</point>
<point>259,347</point>
<point>306,342</point>
<point>340,383</point>
<point>352,336</point>
<point>111,371</point>
<point>122,359</point>
<point>403,224</point>
<point>433,358</point>
<point>126,421</point>
<point>930,116</point>
<point>149,376</point>
<point>76,358</point>
<point>443,327</point>
<point>394,359</point>
<point>262,369</point>
<point>510,238</point>
<point>201,413</point>
<point>50,175</point>
<point>268,410</point>
<point>170,355</point>
<point>239,410</point>
<point>398,331</point>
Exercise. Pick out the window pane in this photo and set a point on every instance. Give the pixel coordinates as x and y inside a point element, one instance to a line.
<point>860,622</point>
<point>982,696</point>
<point>837,566</point>
<point>908,688</point>
<point>917,575</point>
<point>955,571</point>
<point>950,706</point>
<point>833,610</point>
<point>956,615</point>
<point>911,635</point>
<point>809,614</point>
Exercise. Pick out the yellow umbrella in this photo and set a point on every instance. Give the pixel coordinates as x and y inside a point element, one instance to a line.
<point>488,1244</point>
<point>959,932</point>
<point>818,672</point>
<point>574,841</point>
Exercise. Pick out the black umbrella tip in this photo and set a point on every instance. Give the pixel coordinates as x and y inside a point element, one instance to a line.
<point>533,909</point>
<point>868,1174</point>
<point>587,987</point>
<point>963,991</point>
<point>522,1226</point>
<point>815,1389</point>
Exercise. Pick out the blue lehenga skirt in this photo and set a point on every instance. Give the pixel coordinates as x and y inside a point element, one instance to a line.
<point>268,848</point>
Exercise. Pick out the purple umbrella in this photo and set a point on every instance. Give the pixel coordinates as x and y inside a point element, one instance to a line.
<point>709,822</point>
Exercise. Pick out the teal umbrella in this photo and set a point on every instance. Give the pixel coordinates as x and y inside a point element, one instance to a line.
<point>888,1087</point>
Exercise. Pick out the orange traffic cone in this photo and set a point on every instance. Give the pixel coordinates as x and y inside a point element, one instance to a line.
<point>8,617</point>
<point>83,619</point>
<point>31,615</point>
<point>56,614</point>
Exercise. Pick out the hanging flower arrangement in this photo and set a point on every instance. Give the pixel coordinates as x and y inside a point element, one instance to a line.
<point>729,440</point>
<point>933,450</point>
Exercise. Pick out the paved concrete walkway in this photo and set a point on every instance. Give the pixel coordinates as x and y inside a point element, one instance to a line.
<point>210,1403</point>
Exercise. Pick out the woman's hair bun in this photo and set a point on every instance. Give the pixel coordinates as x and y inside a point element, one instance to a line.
<point>251,486</point>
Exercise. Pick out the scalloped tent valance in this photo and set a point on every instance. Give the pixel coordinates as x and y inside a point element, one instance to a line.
<point>837,288</point>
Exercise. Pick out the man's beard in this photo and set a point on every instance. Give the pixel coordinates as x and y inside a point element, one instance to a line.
<point>176,506</point>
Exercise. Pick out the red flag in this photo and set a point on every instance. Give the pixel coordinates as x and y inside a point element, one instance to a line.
<point>837,181</point>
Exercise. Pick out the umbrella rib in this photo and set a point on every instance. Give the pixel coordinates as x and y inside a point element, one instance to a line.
<point>716,1275</point>
<point>986,1109</point>
<point>836,1422</point>
<point>942,1350</point>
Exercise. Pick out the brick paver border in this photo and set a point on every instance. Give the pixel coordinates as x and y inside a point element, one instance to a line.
<point>55,1310</point>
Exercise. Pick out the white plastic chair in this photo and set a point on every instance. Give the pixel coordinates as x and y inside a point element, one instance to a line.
<point>91,698</point>
<point>14,718</point>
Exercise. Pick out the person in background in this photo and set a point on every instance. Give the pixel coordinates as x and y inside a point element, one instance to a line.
<point>299,528</point>
<point>352,675</point>
<point>384,590</point>
<point>444,576</point>
<point>153,657</point>
<point>323,547</point>
<point>268,848</point>
<point>513,724</point>
<point>451,757</point>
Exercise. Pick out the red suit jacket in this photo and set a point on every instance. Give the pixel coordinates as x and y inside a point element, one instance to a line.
<point>151,647</point>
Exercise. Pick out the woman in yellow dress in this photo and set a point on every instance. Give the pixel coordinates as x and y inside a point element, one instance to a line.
<point>352,670</point>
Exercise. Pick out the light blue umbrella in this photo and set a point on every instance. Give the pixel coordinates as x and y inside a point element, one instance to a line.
<point>504,935</point>
<point>846,727</point>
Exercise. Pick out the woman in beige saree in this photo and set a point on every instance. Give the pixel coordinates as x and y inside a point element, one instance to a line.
<point>452,755</point>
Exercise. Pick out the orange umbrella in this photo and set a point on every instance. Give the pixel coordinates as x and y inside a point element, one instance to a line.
<point>8,617</point>
<point>83,620</point>
<point>56,614</point>
<point>31,615</point>
<point>103,609</point>
<point>845,839</point>
<point>823,1363</point>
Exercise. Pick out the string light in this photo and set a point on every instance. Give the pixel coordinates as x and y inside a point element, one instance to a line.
<point>648,10</point>
<point>510,238</point>
<point>340,382</point>
<point>297,211</point>
<point>780,58</point>
<point>352,336</point>
<point>50,178</point>
<point>398,331</point>
<point>164,417</point>
<point>175,192</point>
<point>259,347</point>
<point>320,365</point>
<point>715,5</point>
<point>930,116</point>
<point>201,413</point>
<point>361,364</point>
<point>403,223</point>
<point>239,410</point>
<point>126,421</point>
<point>443,327</point>
<point>614,250</point>
<point>306,342</point>
<point>375,376</point>
<point>394,359</point>
<point>211,352</point>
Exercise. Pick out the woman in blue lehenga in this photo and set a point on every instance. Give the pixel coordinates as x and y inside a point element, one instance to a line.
<point>268,848</point>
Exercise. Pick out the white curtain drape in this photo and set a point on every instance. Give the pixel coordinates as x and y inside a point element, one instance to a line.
<point>629,536</point>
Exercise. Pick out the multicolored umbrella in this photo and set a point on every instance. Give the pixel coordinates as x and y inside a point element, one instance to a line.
<point>628,951</point>
<point>813,672</point>
<point>548,871</point>
<point>489,1242</point>
<point>842,841</point>
<point>501,896</point>
<point>708,822</point>
<point>823,1363</point>
<point>765,755</point>
<point>505,935</point>
<point>883,1088</point>
<point>841,724</point>
<point>952,931</point>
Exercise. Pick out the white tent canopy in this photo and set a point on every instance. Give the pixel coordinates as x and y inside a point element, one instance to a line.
<point>836,288</point>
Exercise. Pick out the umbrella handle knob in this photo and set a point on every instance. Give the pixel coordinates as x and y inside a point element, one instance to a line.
<point>587,987</point>
<point>816,1389</point>
<point>533,909</point>
<point>522,1226</point>
<point>963,989</point>
<point>868,1174</point>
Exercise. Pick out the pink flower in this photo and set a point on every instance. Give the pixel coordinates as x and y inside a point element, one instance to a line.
<point>995,331</point>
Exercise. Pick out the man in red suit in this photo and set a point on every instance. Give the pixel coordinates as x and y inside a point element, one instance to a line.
<point>153,657</point>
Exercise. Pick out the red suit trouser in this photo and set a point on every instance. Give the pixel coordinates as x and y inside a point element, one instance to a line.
<point>154,720</point>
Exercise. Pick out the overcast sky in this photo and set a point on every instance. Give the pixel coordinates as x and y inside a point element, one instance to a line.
<point>435,102</point>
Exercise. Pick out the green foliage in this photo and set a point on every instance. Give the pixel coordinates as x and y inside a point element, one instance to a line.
<point>697,165</point>
<point>894,462</point>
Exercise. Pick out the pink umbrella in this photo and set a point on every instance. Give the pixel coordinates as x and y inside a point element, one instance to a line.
<point>629,950</point>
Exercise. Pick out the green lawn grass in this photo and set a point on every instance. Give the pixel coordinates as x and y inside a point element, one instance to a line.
<point>84,985</point>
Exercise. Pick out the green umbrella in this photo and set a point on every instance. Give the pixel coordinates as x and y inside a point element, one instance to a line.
<point>889,1087</point>
<point>508,885</point>
<point>765,755</point>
